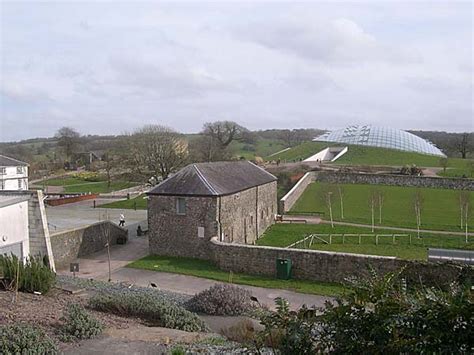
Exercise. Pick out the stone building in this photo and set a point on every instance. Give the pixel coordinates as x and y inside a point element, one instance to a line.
<point>234,201</point>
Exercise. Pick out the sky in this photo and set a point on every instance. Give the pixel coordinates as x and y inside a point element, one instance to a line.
<point>111,67</point>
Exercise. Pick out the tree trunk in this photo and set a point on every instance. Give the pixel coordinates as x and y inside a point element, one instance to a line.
<point>373,217</point>
<point>342,208</point>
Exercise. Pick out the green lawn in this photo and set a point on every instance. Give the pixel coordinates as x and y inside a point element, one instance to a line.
<point>440,206</point>
<point>69,180</point>
<point>282,235</point>
<point>76,185</point>
<point>139,202</point>
<point>205,269</point>
<point>98,187</point>
<point>262,148</point>
<point>360,155</point>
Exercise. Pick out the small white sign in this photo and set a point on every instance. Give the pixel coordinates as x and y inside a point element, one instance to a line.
<point>201,232</point>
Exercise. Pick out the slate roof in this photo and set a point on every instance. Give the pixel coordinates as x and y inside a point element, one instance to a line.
<point>6,161</point>
<point>213,179</point>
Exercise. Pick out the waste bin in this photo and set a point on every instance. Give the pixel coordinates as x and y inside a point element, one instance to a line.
<point>283,269</point>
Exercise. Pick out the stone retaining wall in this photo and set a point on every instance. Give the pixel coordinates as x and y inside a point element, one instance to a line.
<point>329,266</point>
<point>69,245</point>
<point>394,180</point>
<point>287,201</point>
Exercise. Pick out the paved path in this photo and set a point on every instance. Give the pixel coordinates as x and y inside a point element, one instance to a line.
<point>318,220</point>
<point>82,213</point>
<point>95,266</point>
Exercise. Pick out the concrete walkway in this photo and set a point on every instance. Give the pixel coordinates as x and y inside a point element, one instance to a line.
<point>95,267</point>
<point>191,285</point>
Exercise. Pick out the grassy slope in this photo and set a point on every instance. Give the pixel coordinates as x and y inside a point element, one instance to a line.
<point>140,201</point>
<point>262,148</point>
<point>440,206</point>
<point>359,155</point>
<point>205,269</point>
<point>282,235</point>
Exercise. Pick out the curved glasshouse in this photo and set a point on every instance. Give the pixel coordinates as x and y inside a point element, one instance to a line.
<point>383,137</point>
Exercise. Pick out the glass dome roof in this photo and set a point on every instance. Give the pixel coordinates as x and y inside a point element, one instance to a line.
<point>383,137</point>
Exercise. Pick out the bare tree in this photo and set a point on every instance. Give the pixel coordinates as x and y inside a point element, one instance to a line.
<point>157,150</point>
<point>380,200</point>
<point>326,195</point>
<point>340,190</point>
<point>372,205</point>
<point>418,207</point>
<point>464,144</point>
<point>443,162</point>
<point>465,209</point>
<point>224,132</point>
<point>205,148</point>
<point>105,229</point>
<point>68,139</point>
<point>109,164</point>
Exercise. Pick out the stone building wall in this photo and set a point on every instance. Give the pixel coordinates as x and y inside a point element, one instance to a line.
<point>245,215</point>
<point>177,235</point>
<point>69,245</point>
<point>329,266</point>
<point>267,206</point>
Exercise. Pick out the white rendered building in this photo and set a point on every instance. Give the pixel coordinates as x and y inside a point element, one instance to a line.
<point>13,174</point>
<point>14,234</point>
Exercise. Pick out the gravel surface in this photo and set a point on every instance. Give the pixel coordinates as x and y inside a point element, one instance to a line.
<point>94,286</point>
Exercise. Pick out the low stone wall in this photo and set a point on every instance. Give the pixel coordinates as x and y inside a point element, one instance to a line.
<point>287,201</point>
<point>69,245</point>
<point>328,266</point>
<point>394,180</point>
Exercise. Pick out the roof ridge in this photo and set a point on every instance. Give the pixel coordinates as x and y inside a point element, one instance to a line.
<point>262,169</point>
<point>204,180</point>
<point>19,161</point>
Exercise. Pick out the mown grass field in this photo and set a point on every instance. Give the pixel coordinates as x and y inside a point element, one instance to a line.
<point>360,155</point>
<point>73,184</point>
<point>282,235</point>
<point>139,202</point>
<point>205,269</point>
<point>440,207</point>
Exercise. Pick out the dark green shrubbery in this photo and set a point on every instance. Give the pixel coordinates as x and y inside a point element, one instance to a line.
<point>25,339</point>
<point>79,324</point>
<point>222,299</point>
<point>33,275</point>
<point>378,315</point>
<point>148,306</point>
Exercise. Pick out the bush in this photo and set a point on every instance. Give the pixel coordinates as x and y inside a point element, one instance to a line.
<point>148,306</point>
<point>33,275</point>
<point>89,176</point>
<point>222,299</point>
<point>25,339</point>
<point>79,324</point>
<point>379,314</point>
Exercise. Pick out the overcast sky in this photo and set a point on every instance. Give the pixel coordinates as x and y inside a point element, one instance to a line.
<point>107,68</point>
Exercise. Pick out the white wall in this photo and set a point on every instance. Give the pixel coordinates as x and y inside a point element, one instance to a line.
<point>14,225</point>
<point>11,177</point>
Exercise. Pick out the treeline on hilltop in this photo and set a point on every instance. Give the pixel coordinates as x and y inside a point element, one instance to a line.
<point>155,150</point>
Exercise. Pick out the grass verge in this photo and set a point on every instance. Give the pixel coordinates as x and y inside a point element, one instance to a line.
<point>139,202</point>
<point>206,269</point>
<point>282,235</point>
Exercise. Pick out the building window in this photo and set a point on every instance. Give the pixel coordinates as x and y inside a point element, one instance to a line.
<point>3,171</point>
<point>181,205</point>
<point>20,183</point>
<point>261,214</point>
<point>201,232</point>
<point>19,170</point>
